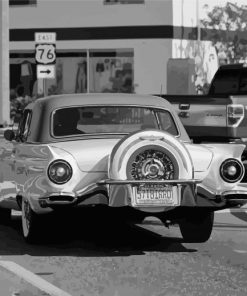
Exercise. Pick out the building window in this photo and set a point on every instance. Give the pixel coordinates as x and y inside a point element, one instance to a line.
<point>111,70</point>
<point>71,74</point>
<point>124,1</point>
<point>22,2</point>
<point>95,70</point>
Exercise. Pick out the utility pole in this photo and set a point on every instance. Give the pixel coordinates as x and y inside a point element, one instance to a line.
<point>4,64</point>
<point>198,21</point>
<point>198,26</point>
<point>182,28</point>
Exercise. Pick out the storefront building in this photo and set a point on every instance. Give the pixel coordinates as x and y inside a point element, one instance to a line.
<point>101,45</point>
<point>112,46</point>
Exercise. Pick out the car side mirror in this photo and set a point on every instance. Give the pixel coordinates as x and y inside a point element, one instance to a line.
<point>9,135</point>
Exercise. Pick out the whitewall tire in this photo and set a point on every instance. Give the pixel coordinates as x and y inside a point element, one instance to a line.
<point>30,225</point>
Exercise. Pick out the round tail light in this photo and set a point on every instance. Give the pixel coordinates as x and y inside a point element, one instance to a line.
<point>231,170</point>
<point>59,171</point>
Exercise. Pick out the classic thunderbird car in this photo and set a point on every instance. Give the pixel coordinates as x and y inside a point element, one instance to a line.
<point>117,150</point>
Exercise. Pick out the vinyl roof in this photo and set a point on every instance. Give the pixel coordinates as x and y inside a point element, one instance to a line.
<point>42,109</point>
<point>58,101</point>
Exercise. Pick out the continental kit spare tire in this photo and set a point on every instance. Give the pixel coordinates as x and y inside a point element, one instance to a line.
<point>150,155</point>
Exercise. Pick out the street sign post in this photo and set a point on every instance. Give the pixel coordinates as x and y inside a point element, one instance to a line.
<point>45,56</point>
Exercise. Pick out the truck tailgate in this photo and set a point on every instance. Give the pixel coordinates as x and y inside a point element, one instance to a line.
<point>202,116</point>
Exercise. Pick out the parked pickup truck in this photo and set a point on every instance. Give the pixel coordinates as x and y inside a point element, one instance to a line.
<point>221,115</point>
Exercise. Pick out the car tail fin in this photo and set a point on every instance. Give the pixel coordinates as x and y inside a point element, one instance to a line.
<point>228,150</point>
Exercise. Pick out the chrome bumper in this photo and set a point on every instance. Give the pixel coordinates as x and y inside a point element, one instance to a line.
<point>96,195</point>
<point>100,193</point>
<point>138,182</point>
<point>235,195</point>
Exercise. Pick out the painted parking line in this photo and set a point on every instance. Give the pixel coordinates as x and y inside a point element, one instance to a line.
<point>240,251</point>
<point>33,279</point>
<point>239,215</point>
<point>232,210</point>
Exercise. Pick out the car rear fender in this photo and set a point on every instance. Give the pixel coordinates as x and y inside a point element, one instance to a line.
<point>221,152</point>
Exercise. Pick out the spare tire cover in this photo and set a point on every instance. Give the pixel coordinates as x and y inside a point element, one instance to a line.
<point>150,155</point>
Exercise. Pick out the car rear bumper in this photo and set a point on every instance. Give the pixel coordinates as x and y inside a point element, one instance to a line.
<point>118,193</point>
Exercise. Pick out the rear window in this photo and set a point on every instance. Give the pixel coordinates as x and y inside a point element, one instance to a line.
<point>230,81</point>
<point>110,119</point>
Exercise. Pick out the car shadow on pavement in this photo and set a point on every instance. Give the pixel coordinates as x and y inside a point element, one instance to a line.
<point>88,237</point>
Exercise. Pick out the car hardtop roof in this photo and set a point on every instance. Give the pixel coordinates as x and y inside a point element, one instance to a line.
<point>66,100</point>
<point>42,108</point>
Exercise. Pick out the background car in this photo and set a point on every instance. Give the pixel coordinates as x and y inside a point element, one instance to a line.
<point>124,151</point>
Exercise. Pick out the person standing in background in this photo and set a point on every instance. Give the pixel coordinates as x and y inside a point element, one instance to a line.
<point>17,103</point>
<point>81,78</point>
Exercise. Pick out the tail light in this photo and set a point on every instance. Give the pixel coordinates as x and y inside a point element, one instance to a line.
<point>231,170</point>
<point>235,114</point>
<point>59,172</point>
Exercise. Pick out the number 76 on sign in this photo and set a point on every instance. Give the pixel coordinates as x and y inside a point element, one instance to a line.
<point>45,53</point>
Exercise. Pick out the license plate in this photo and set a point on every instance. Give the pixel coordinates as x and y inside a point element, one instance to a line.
<point>155,195</point>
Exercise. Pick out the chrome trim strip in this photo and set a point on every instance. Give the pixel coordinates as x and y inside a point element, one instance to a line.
<point>71,194</point>
<point>136,182</point>
<point>235,192</point>
<point>60,202</point>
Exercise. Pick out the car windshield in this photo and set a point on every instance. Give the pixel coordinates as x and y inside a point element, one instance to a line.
<point>110,119</point>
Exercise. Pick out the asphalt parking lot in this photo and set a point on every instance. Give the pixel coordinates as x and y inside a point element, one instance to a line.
<point>146,259</point>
